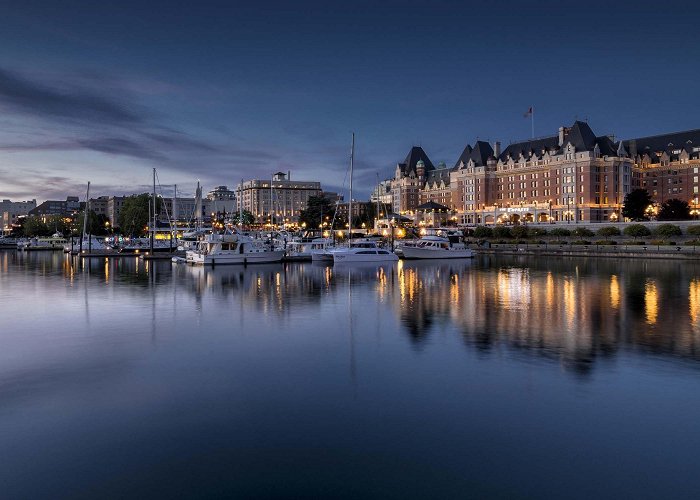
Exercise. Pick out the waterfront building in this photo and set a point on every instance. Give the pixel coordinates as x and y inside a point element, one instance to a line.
<point>573,176</point>
<point>10,210</point>
<point>114,208</point>
<point>221,200</point>
<point>382,193</point>
<point>100,205</point>
<point>667,165</point>
<point>409,179</point>
<point>278,199</point>
<point>57,207</point>
<point>437,187</point>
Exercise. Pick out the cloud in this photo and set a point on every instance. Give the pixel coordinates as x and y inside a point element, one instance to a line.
<point>24,96</point>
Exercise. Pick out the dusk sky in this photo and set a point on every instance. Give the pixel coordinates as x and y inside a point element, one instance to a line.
<point>103,92</point>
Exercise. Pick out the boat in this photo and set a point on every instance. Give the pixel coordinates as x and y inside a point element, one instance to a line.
<point>89,244</point>
<point>8,243</point>
<point>306,250</point>
<point>232,248</point>
<point>437,247</point>
<point>54,242</point>
<point>362,250</point>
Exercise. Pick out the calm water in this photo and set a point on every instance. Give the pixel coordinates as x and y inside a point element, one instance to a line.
<point>492,378</point>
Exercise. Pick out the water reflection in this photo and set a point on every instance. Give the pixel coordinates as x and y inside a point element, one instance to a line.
<point>574,311</point>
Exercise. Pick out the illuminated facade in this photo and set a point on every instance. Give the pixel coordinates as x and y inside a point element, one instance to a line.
<point>573,176</point>
<point>280,197</point>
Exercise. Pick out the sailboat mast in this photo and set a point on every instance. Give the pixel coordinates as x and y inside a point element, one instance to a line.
<point>153,221</point>
<point>352,160</point>
<point>85,216</point>
<point>240,206</point>
<point>173,226</point>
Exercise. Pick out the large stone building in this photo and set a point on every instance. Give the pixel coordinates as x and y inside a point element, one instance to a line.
<point>10,210</point>
<point>573,176</point>
<point>667,165</point>
<point>57,207</point>
<point>279,198</point>
<point>409,180</point>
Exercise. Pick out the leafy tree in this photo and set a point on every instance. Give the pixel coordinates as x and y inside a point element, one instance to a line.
<point>637,230</point>
<point>519,232</point>
<point>486,232</point>
<point>96,224</point>
<point>248,218</point>
<point>608,231</point>
<point>502,232</point>
<point>317,207</point>
<point>667,230</point>
<point>560,231</point>
<point>582,231</point>
<point>635,204</point>
<point>134,215</point>
<point>538,231</point>
<point>34,226</point>
<point>674,209</point>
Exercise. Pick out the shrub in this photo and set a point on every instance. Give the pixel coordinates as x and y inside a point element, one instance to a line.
<point>606,242</point>
<point>667,230</point>
<point>559,231</point>
<point>560,242</point>
<point>519,232</point>
<point>637,230</point>
<point>608,231</point>
<point>582,231</point>
<point>539,231</point>
<point>693,230</point>
<point>483,232</point>
<point>638,242</point>
<point>502,232</point>
<point>581,242</point>
<point>693,243</point>
<point>523,242</point>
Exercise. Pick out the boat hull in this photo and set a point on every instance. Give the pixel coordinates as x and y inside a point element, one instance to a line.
<point>411,252</point>
<point>221,259</point>
<point>343,257</point>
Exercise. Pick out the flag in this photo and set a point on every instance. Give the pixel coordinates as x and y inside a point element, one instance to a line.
<point>529,112</point>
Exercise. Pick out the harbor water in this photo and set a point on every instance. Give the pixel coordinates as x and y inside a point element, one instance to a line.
<point>501,376</point>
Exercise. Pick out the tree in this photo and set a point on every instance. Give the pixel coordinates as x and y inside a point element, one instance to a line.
<point>485,232</point>
<point>134,215</point>
<point>637,230</point>
<point>667,230</point>
<point>35,226</point>
<point>635,204</point>
<point>317,207</point>
<point>520,232</point>
<point>608,231</point>
<point>582,231</point>
<point>96,224</point>
<point>502,232</point>
<point>248,218</point>
<point>674,209</point>
<point>560,231</point>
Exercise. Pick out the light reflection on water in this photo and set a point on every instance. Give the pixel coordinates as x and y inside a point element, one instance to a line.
<point>410,379</point>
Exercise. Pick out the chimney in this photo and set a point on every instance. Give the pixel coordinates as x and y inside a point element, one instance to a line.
<point>289,175</point>
<point>561,136</point>
<point>497,149</point>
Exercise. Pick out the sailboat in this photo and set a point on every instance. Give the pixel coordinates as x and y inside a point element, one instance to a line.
<point>363,249</point>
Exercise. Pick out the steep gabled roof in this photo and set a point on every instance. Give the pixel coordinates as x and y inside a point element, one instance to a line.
<point>464,157</point>
<point>481,153</point>
<point>528,147</point>
<point>581,137</point>
<point>665,142</point>
<point>414,156</point>
<point>439,174</point>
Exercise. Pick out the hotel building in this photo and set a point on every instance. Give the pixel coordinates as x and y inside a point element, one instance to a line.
<point>280,197</point>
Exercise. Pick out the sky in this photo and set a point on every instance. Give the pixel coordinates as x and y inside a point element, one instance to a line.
<point>220,91</point>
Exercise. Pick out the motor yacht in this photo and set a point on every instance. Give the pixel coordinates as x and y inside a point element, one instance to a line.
<point>437,247</point>
<point>220,249</point>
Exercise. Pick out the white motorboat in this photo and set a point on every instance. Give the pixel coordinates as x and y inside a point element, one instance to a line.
<point>362,251</point>
<point>8,243</point>
<point>437,247</point>
<point>220,249</point>
<point>90,243</point>
<point>55,242</point>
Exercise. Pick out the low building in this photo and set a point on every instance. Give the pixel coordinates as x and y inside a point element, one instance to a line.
<point>10,210</point>
<point>57,207</point>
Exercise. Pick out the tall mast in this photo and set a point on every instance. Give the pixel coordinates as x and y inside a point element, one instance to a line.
<point>85,216</point>
<point>198,208</point>
<point>240,206</point>
<point>272,220</point>
<point>174,215</point>
<point>352,160</point>
<point>153,220</point>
